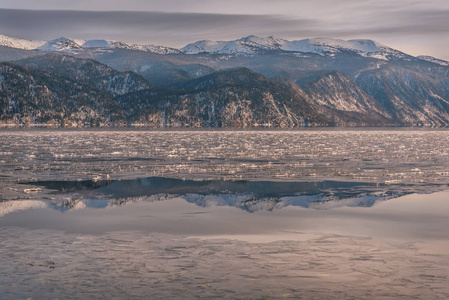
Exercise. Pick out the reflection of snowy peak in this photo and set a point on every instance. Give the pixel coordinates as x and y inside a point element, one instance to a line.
<point>7,207</point>
<point>72,45</point>
<point>253,44</point>
<point>248,202</point>
<point>251,203</point>
<point>19,43</point>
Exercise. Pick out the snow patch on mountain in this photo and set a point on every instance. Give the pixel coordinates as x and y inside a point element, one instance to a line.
<point>366,46</point>
<point>17,43</point>
<point>434,60</point>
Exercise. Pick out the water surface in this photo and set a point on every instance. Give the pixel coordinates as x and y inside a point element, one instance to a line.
<point>199,214</point>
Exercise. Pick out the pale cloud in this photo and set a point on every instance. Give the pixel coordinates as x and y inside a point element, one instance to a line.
<point>172,29</point>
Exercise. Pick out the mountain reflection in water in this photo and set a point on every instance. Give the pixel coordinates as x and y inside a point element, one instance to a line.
<point>247,195</point>
<point>160,185</point>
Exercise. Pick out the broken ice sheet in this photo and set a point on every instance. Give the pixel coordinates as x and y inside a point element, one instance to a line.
<point>107,232</point>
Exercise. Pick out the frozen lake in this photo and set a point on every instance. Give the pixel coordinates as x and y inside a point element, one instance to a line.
<point>379,156</point>
<point>317,214</point>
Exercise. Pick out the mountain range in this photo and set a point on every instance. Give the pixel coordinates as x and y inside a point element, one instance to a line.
<point>245,83</point>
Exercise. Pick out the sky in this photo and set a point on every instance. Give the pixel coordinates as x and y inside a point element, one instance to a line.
<point>415,27</point>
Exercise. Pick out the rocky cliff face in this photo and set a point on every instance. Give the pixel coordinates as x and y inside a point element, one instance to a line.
<point>410,97</point>
<point>339,99</point>
<point>65,91</point>
<point>28,98</point>
<point>87,72</point>
<point>237,98</point>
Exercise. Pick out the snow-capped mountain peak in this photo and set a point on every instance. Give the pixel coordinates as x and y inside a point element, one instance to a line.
<point>123,45</point>
<point>204,46</point>
<point>62,44</point>
<point>250,45</point>
<point>253,44</point>
<point>434,60</point>
<point>366,46</point>
<point>19,43</point>
<point>268,41</point>
<point>363,47</point>
<point>247,45</point>
<point>69,45</point>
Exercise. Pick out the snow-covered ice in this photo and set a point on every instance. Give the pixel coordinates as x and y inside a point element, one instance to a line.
<point>224,214</point>
<point>383,156</point>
